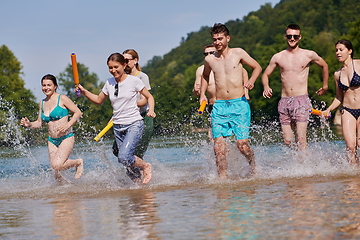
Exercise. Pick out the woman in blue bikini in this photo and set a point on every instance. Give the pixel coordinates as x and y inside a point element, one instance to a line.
<point>54,110</point>
<point>347,81</point>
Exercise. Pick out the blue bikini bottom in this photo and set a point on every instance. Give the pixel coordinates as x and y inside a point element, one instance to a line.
<point>58,141</point>
<point>354,112</point>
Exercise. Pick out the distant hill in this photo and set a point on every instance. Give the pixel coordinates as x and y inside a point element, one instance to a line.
<point>260,33</point>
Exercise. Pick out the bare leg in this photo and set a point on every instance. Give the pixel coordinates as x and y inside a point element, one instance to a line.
<point>146,169</point>
<point>79,169</point>
<point>301,128</point>
<point>58,176</point>
<point>248,152</point>
<point>288,135</point>
<point>59,157</point>
<point>351,155</point>
<point>349,127</point>
<point>220,154</point>
<point>210,136</point>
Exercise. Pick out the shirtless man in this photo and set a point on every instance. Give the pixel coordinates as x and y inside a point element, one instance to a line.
<point>210,49</point>
<point>294,104</point>
<point>226,64</point>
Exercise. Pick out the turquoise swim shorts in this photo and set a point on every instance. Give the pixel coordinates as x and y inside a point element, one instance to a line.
<point>231,117</point>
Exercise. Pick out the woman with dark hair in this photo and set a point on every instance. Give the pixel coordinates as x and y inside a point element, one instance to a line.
<point>122,91</point>
<point>133,68</point>
<point>347,82</point>
<point>54,111</point>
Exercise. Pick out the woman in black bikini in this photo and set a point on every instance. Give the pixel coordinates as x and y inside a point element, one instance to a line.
<point>347,81</point>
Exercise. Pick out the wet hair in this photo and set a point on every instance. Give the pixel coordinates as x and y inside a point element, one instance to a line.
<point>134,54</point>
<point>219,28</point>
<point>50,77</point>
<point>293,26</point>
<point>347,44</point>
<point>117,57</point>
<point>208,45</point>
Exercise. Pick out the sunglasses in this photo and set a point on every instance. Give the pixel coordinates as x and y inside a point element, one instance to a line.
<point>207,53</point>
<point>116,93</point>
<point>296,37</point>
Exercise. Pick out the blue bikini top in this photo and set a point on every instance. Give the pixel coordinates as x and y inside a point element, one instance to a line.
<point>355,81</point>
<point>56,114</point>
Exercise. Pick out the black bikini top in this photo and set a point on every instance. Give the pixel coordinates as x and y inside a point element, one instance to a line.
<point>355,81</point>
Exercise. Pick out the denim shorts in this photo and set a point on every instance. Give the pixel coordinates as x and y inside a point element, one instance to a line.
<point>127,137</point>
<point>231,117</point>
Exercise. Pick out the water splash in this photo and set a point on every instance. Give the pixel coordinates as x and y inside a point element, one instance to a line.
<point>183,160</point>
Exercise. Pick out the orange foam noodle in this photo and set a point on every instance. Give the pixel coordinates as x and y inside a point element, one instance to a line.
<point>75,68</point>
<point>317,112</point>
<point>202,107</point>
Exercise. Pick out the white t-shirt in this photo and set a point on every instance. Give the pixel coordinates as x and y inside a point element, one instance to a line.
<point>125,109</point>
<point>145,79</point>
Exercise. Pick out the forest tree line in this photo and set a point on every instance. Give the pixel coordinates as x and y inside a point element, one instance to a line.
<point>260,33</point>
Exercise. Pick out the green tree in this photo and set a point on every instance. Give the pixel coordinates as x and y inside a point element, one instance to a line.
<point>354,36</point>
<point>95,117</point>
<point>261,34</point>
<point>12,86</point>
<point>16,100</point>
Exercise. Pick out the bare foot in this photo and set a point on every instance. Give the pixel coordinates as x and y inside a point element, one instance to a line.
<point>223,176</point>
<point>139,179</point>
<point>147,173</point>
<point>60,179</point>
<point>79,169</point>
<point>58,176</point>
<point>251,171</point>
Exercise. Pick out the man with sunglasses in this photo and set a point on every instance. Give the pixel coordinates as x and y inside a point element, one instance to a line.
<point>294,105</point>
<point>208,50</point>
<point>231,111</point>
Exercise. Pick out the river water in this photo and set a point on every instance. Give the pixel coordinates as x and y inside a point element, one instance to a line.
<point>292,196</point>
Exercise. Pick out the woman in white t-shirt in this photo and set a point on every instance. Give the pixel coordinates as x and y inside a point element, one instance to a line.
<point>122,91</point>
<point>133,68</point>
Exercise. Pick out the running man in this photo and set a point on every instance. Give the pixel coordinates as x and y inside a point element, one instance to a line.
<point>231,111</point>
<point>294,105</point>
<point>210,49</point>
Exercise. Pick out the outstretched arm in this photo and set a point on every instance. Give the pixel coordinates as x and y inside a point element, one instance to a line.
<point>245,77</point>
<point>36,124</point>
<point>151,101</point>
<point>248,60</point>
<point>325,74</point>
<point>197,83</point>
<point>339,96</point>
<point>97,99</point>
<point>69,104</point>
<point>267,93</point>
<point>204,82</point>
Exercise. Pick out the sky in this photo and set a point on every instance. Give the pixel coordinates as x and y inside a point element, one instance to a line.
<point>43,33</point>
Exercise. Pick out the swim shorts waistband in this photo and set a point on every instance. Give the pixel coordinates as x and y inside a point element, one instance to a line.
<point>232,100</point>
<point>295,97</point>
